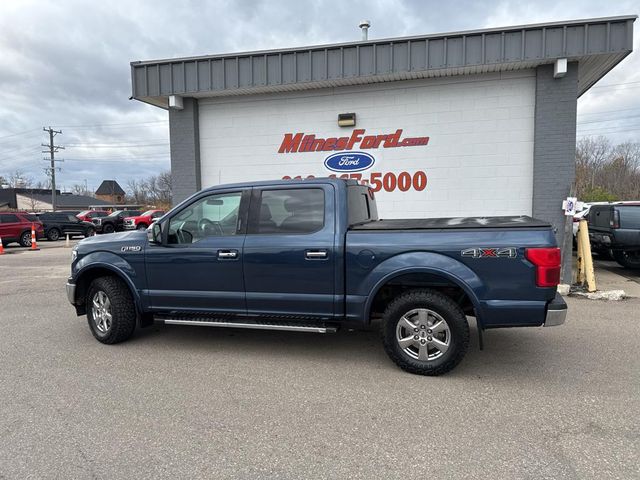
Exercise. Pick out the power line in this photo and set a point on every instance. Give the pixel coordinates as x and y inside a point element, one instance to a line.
<point>609,111</point>
<point>112,124</point>
<point>19,133</point>
<point>116,145</point>
<point>610,119</point>
<point>615,84</point>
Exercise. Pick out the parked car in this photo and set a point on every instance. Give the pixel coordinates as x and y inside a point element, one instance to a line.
<point>16,227</point>
<point>89,215</point>
<point>57,225</point>
<point>312,256</point>
<point>142,222</point>
<point>616,228</point>
<point>113,222</point>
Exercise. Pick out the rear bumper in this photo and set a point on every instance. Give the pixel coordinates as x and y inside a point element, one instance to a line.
<point>556,312</point>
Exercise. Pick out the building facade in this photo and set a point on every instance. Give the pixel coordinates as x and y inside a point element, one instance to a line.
<point>473,123</point>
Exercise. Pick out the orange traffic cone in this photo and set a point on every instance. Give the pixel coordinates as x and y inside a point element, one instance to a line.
<point>1,247</point>
<point>34,242</point>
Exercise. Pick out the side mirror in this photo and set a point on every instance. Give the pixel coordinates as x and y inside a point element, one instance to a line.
<point>154,233</point>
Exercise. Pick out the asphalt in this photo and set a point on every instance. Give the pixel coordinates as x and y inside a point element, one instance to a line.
<point>189,402</point>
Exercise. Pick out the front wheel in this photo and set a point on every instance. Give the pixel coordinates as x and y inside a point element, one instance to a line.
<point>141,226</point>
<point>425,332</point>
<point>89,232</point>
<point>108,228</point>
<point>111,312</point>
<point>628,259</point>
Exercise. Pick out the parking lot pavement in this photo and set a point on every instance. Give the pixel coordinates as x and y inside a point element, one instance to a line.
<point>189,402</point>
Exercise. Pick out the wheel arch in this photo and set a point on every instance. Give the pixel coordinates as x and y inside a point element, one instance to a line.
<point>424,270</point>
<point>96,270</point>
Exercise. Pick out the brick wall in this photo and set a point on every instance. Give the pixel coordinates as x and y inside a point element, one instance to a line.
<point>554,150</point>
<point>185,150</point>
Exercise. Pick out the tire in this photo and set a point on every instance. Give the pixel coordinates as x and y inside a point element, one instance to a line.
<point>53,235</point>
<point>108,228</point>
<point>25,239</point>
<point>112,318</point>
<point>141,226</point>
<point>628,259</point>
<point>417,310</point>
<point>90,232</point>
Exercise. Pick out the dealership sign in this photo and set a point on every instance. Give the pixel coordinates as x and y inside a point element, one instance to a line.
<point>349,161</point>
<point>303,142</point>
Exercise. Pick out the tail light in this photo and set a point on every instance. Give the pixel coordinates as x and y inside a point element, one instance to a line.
<point>547,262</point>
<point>615,220</point>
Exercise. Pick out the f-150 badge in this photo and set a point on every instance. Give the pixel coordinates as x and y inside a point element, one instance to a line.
<point>509,252</point>
<point>131,248</point>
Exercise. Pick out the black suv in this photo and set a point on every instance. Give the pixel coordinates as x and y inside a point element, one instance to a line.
<point>114,222</point>
<point>616,227</point>
<point>60,224</point>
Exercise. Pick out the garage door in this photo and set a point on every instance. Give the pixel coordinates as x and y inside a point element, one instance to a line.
<point>460,146</point>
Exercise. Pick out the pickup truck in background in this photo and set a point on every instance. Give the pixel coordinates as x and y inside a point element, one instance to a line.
<point>616,228</point>
<point>113,222</point>
<point>142,221</point>
<point>312,256</point>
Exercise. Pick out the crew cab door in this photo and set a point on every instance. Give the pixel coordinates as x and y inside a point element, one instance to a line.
<point>289,258</point>
<point>198,265</point>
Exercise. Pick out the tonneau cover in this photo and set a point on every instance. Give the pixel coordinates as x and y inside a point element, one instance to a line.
<point>452,223</point>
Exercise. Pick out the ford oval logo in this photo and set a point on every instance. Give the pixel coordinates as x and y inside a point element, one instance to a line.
<point>349,161</point>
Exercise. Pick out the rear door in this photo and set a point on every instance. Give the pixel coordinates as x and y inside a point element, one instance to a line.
<point>289,257</point>
<point>10,227</point>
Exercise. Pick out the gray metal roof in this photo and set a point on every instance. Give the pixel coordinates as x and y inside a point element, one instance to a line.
<point>597,44</point>
<point>66,200</point>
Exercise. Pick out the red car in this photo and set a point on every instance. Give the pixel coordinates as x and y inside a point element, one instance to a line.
<point>141,222</point>
<point>89,215</point>
<point>16,227</point>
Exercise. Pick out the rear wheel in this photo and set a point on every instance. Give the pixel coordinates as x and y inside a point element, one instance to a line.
<point>108,228</point>
<point>25,239</point>
<point>628,259</point>
<point>53,235</point>
<point>425,332</point>
<point>111,312</point>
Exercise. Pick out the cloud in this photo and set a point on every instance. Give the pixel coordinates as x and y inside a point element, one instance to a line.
<point>66,64</point>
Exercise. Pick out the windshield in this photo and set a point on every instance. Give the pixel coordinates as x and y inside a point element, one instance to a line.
<point>148,213</point>
<point>116,213</point>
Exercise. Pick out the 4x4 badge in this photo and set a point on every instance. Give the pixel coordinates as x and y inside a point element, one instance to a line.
<point>509,252</point>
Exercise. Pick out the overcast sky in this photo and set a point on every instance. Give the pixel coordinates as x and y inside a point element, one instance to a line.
<point>65,63</point>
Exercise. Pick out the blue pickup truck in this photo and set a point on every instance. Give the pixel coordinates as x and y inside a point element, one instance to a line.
<point>312,256</point>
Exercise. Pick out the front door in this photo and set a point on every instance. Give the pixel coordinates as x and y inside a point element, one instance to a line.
<point>198,266</point>
<point>289,256</point>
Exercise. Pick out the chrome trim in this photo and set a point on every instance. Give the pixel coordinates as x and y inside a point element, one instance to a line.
<point>555,317</point>
<point>319,254</point>
<point>71,293</point>
<point>227,254</point>
<point>255,326</point>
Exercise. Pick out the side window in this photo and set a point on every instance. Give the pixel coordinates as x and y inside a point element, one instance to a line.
<point>72,219</point>
<point>290,211</point>
<point>8,218</point>
<point>211,216</point>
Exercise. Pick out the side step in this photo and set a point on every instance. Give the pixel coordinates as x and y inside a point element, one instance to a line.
<point>257,325</point>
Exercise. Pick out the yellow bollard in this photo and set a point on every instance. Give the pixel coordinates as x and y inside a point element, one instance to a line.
<point>585,261</point>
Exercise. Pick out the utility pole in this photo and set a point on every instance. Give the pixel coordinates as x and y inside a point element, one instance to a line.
<point>52,149</point>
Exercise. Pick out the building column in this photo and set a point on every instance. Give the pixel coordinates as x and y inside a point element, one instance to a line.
<point>184,137</point>
<point>554,152</point>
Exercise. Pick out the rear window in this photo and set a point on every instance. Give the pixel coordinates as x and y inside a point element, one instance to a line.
<point>629,216</point>
<point>290,211</point>
<point>361,204</point>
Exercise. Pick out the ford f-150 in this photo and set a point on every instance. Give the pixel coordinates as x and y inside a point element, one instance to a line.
<point>312,256</point>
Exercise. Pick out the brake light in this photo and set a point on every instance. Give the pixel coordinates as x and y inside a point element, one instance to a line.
<point>547,262</point>
<point>615,221</point>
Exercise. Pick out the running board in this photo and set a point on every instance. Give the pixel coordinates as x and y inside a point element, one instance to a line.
<point>254,326</point>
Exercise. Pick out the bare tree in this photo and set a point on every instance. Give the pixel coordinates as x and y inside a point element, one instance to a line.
<point>19,179</point>
<point>154,191</point>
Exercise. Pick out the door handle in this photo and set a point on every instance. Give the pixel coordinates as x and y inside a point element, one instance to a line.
<point>227,254</point>
<point>315,254</point>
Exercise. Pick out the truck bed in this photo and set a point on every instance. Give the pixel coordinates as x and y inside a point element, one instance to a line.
<point>451,223</point>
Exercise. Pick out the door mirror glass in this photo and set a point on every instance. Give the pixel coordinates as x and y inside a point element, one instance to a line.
<point>154,234</point>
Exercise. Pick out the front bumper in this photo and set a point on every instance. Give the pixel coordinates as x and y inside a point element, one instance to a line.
<point>556,312</point>
<point>71,292</point>
<point>130,227</point>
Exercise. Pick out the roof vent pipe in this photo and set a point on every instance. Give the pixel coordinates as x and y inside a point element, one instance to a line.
<point>364,25</point>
